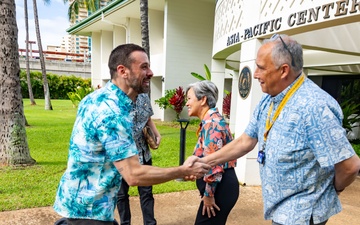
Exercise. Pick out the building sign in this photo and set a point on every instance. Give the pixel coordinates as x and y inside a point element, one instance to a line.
<point>326,11</point>
<point>244,82</point>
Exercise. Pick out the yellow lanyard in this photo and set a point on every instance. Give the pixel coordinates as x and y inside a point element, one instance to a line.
<point>288,95</point>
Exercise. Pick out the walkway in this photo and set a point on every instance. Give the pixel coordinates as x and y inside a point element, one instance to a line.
<point>180,208</point>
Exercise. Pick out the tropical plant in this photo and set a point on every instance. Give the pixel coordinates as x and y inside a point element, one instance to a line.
<point>79,93</point>
<point>227,105</point>
<point>200,77</point>
<point>350,103</point>
<point>178,101</point>
<point>350,89</point>
<point>14,149</point>
<point>174,99</point>
<point>351,117</point>
<point>163,102</point>
<point>75,5</point>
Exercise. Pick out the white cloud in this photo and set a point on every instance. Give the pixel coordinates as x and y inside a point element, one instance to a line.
<point>52,19</point>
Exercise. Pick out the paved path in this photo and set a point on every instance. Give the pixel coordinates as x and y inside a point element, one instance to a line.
<point>180,208</point>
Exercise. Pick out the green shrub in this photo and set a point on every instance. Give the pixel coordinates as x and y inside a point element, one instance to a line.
<point>357,149</point>
<point>174,99</point>
<point>356,145</point>
<point>350,112</point>
<point>59,85</point>
<point>163,102</point>
<point>79,93</point>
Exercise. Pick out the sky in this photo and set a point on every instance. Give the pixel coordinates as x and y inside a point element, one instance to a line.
<point>53,21</point>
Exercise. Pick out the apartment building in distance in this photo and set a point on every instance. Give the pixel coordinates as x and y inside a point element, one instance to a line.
<point>78,47</point>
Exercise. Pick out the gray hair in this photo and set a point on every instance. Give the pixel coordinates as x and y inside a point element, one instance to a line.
<point>205,88</point>
<point>289,52</point>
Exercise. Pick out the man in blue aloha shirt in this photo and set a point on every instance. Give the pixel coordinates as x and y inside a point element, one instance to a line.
<point>102,150</point>
<point>304,155</point>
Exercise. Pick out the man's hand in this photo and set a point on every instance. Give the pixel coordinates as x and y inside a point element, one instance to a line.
<point>191,160</point>
<point>197,169</point>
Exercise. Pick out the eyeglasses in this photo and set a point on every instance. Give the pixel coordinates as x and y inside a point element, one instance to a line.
<point>274,37</point>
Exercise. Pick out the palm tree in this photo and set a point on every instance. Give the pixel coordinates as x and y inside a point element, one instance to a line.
<point>31,95</point>
<point>75,5</point>
<point>48,105</point>
<point>144,23</point>
<point>14,148</point>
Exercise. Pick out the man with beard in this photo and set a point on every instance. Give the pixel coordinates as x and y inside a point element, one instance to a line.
<point>102,150</point>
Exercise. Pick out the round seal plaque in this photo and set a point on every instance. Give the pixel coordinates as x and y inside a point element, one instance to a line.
<point>244,82</point>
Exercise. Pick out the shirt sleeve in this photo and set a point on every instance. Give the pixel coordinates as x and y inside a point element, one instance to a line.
<point>326,136</point>
<point>212,141</point>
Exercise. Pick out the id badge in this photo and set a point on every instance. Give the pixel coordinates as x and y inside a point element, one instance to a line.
<point>261,157</point>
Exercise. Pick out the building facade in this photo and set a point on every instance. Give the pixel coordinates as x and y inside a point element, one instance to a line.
<point>225,35</point>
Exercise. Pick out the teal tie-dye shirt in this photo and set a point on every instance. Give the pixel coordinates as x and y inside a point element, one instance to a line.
<point>102,134</point>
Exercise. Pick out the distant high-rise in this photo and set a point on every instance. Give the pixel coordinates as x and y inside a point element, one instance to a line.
<point>76,43</point>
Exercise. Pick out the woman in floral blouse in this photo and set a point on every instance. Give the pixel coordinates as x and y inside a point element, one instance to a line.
<point>219,189</point>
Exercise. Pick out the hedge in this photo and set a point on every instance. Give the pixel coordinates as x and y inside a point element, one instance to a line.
<point>59,85</point>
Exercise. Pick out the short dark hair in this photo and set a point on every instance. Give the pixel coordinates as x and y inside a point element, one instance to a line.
<point>121,56</point>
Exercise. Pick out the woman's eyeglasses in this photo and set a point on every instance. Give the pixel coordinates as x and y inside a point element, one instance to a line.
<point>274,37</point>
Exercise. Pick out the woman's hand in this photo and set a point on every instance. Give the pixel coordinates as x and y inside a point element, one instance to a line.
<point>209,206</point>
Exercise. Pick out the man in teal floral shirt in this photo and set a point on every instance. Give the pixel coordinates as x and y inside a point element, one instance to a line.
<point>102,150</point>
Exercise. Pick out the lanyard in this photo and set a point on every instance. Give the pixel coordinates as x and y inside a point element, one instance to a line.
<point>288,95</point>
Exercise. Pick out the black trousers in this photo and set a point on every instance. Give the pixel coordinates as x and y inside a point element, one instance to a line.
<point>146,203</point>
<point>311,222</point>
<point>88,222</point>
<point>226,195</point>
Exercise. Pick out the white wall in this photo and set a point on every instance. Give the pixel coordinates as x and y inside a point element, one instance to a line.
<point>188,38</point>
<point>95,60</point>
<point>106,46</point>
<point>135,31</point>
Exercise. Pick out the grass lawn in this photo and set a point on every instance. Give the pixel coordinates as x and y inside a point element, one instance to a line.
<point>48,138</point>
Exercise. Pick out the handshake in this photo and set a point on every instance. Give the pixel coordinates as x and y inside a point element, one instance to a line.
<point>195,168</point>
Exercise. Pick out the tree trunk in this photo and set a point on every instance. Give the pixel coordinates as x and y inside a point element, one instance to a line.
<point>14,148</point>
<point>144,23</point>
<point>48,105</point>
<point>31,95</point>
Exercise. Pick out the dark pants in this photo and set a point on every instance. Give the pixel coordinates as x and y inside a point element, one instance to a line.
<point>311,222</point>
<point>146,203</point>
<point>226,195</point>
<point>88,222</point>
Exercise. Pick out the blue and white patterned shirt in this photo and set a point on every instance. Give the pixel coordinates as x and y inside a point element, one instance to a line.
<point>303,145</point>
<point>142,112</point>
<point>102,134</point>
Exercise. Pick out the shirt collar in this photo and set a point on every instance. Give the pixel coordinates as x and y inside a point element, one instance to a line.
<point>209,113</point>
<point>120,94</point>
<point>281,95</point>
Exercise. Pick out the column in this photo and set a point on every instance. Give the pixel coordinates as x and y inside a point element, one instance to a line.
<point>247,168</point>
